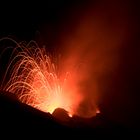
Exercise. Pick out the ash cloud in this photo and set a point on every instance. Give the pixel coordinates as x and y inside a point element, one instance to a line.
<point>93,51</point>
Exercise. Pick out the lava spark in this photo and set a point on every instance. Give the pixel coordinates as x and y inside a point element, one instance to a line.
<point>34,79</point>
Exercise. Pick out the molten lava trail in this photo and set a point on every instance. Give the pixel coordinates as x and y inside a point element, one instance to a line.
<point>34,79</point>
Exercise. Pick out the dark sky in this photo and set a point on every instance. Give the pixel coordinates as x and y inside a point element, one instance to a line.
<point>26,21</point>
<point>23,20</point>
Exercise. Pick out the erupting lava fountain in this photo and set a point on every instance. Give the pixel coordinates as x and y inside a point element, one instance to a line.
<point>34,79</point>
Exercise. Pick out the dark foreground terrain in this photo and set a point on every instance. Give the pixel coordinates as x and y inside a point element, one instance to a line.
<point>22,120</point>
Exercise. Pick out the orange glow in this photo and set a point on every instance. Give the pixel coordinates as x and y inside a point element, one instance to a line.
<point>35,81</point>
<point>70,115</point>
<point>97,111</point>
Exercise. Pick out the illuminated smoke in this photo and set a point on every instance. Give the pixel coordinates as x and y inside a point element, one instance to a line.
<point>93,45</point>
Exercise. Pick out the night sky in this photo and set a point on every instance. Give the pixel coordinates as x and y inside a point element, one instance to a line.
<point>25,20</point>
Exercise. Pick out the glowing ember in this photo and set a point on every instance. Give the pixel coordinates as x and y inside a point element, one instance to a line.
<point>35,81</point>
<point>97,111</point>
<point>70,115</point>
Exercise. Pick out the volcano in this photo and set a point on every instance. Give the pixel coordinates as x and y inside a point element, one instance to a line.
<point>19,117</point>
